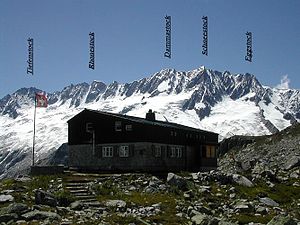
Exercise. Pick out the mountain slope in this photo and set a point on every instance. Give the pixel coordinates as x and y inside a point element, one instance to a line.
<point>221,102</point>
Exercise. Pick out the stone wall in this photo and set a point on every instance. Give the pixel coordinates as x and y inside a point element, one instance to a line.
<point>141,158</point>
<point>46,170</point>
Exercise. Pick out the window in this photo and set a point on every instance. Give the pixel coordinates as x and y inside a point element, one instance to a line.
<point>118,126</point>
<point>128,127</point>
<point>209,151</point>
<point>107,151</point>
<point>157,151</point>
<point>89,127</point>
<point>178,152</point>
<point>124,151</point>
<point>175,152</point>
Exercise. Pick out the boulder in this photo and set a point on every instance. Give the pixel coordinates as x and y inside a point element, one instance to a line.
<point>45,198</point>
<point>292,162</point>
<point>243,208</point>
<point>202,219</point>
<point>41,215</point>
<point>77,205</point>
<point>282,220</point>
<point>295,174</point>
<point>116,203</point>
<point>246,165</point>
<point>268,201</point>
<point>261,210</point>
<point>177,181</point>
<point>6,198</point>
<point>241,180</point>
<point>17,208</point>
<point>4,218</point>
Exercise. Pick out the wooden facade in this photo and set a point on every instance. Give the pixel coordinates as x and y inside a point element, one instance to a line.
<point>112,142</point>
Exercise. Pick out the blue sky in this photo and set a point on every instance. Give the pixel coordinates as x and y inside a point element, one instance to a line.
<point>130,40</point>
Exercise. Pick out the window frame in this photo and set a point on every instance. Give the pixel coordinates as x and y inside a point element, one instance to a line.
<point>124,151</point>
<point>178,152</point>
<point>128,127</point>
<point>157,151</point>
<point>210,151</point>
<point>173,152</point>
<point>107,151</point>
<point>118,126</point>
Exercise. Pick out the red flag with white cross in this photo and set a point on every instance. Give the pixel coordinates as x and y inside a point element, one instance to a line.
<point>41,100</point>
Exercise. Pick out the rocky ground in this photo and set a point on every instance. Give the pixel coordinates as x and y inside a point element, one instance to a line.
<point>257,182</point>
<point>187,198</point>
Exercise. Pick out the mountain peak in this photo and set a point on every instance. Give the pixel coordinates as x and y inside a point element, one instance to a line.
<point>222,102</point>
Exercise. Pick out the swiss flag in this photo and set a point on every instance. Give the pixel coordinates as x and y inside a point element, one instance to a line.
<point>41,100</point>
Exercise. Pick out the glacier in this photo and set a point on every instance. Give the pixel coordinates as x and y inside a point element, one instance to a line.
<point>225,103</point>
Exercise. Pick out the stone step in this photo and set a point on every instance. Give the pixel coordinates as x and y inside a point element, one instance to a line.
<point>75,185</point>
<point>95,204</point>
<point>92,200</point>
<point>78,191</point>
<point>76,194</point>
<point>79,181</point>
<point>78,186</point>
<point>85,197</point>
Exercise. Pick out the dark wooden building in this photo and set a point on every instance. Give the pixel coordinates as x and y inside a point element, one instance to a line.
<point>112,142</point>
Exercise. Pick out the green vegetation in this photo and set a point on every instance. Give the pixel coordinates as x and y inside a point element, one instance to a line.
<point>247,218</point>
<point>64,197</point>
<point>283,193</point>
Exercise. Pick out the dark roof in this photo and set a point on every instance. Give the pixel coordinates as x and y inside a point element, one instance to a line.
<point>145,121</point>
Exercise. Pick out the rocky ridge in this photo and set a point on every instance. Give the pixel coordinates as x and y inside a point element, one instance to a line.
<point>278,153</point>
<point>222,102</point>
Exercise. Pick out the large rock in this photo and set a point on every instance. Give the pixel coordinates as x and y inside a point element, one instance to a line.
<point>45,198</point>
<point>6,198</point>
<point>18,208</point>
<point>202,219</point>
<point>243,208</point>
<point>292,163</point>
<point>241,180</point>
<point>177,181</point>
<point>282,220</point>
<point>4,218</point>
<point>116,203</point>
<point>77,205</point>
<point>268,201</point>
<point>41,215</point>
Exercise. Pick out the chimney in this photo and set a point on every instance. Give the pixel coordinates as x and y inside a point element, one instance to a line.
<point>150,115</point>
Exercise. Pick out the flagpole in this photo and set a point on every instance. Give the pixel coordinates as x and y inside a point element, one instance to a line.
<point>33,142</point>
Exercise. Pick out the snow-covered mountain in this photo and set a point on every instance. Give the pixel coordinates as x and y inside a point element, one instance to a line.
<point>225,103</point>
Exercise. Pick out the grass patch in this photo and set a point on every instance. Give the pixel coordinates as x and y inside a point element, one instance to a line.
<point>284,193</point>
<point>259,190</point>
<point>42,182</point>
<point>247,218</point>
<point>7,184</point>
<point>64,197</point>
<point>116,219</point>
<point>281,192</point>
<point>107,190</point>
